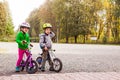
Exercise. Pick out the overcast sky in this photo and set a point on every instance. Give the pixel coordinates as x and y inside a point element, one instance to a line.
<point>20,9</point>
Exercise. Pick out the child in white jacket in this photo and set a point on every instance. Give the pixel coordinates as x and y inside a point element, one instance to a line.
<point>46,44</point>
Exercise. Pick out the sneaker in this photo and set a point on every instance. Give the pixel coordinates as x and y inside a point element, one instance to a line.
<point>51,69</point>
<point>17,69</point>
<point>39,67</point>
<point>42,69</point>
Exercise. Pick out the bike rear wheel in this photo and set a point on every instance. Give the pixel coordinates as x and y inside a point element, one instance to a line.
<point>57,65</point>
<point>31,69</point>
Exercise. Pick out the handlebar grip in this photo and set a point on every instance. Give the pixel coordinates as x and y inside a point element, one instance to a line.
<point>31,45</point>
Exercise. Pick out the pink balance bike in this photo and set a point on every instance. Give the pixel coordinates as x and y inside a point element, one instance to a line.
<point>29,64</point>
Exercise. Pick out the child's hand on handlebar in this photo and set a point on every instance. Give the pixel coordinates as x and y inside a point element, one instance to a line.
<point>45,48</point>
<point>24,42</point>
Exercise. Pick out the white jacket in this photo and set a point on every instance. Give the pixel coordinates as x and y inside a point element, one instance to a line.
<point>46,40</point>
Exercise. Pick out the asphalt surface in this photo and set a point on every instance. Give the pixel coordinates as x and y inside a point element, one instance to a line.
<point>66,76</point>
<point>75,58</point>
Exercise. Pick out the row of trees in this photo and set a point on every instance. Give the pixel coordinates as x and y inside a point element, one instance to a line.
<point>6,25</point>
<point>79,20</point>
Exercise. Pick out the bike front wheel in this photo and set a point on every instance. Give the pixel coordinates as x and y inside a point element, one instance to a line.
<point>32,67</point>
<point>57,65</point>
<point>39,60</point>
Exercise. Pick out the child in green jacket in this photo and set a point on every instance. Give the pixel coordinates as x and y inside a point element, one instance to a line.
<point>23,41</point>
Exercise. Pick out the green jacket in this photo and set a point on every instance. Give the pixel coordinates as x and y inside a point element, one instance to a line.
<point>20,37</point>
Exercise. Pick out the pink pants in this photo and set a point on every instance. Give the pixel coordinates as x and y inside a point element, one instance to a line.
<point>20,56</point>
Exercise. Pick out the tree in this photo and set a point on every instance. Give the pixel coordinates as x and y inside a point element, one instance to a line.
<point>35,23</point>
<point>73,18</point>
<point>6,25</point>
<point>9,25</point>
<point>112,20</point>
<point>116,20</point>
<point>3,19</point>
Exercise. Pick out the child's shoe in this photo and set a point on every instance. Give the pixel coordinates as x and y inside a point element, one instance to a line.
<point>51,69</point>
<point>42,69</point>
<point>17,69</point>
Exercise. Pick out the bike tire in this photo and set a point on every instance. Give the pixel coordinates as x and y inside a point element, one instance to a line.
<point>39,60</point>
<point>33,69</point>
<point>56,67</point>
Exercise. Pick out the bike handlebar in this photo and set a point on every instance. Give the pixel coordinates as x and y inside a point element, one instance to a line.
<point>31,45</point>
<point>52,50</point>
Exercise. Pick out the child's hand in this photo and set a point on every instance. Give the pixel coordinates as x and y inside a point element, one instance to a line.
<point>46,48</point>
<point>24,42</point>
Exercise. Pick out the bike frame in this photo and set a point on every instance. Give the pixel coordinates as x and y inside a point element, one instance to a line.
<point>29,58</point>
<point>52,54</point>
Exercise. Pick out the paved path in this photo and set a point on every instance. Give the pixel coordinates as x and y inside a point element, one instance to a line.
<point>89,62</point>
<point>66,76</point>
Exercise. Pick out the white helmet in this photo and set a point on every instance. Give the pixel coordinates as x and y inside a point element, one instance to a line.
<point>24,24</point>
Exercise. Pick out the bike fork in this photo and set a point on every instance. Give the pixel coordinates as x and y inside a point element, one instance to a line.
<point>31,64</point>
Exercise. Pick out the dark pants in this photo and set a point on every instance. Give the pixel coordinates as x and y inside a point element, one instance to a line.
<point>46,56</point>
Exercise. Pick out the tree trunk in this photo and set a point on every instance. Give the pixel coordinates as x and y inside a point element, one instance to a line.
<point>100,30</point>
<point>108,34</point>
<point>75,39</point>
<point>84,39</point>
<point>67,39</point>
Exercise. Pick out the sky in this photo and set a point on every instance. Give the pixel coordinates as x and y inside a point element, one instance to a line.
<point>20,9</point>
